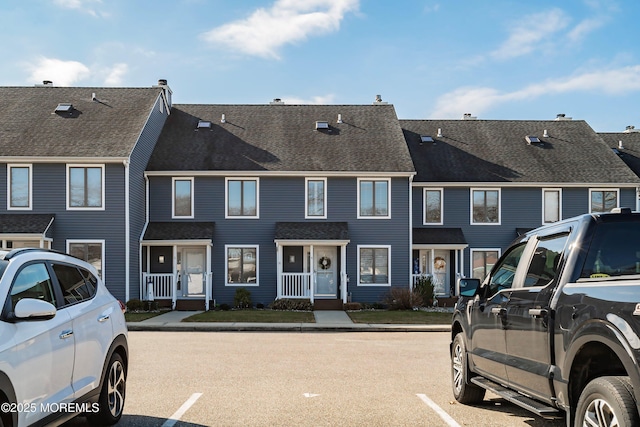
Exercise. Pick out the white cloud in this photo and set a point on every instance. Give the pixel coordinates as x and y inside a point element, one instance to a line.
<point>480,99</point>
<point>315,100</point>
<point>531,32</point>
<point>81,5</point>
<point>286,22</point>
<point>585,27</point>
<point>115,75</point>
<point>62,73</point>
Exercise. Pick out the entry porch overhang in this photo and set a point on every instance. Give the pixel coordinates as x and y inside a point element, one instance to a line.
<point>26,228</point>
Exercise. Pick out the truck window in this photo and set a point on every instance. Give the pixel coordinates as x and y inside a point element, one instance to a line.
<point>544,264</point>
<point>614,251</point>
<point>503,274</point>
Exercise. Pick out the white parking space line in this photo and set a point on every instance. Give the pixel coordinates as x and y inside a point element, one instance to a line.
<point>173,419</point>
<point>445,417</point>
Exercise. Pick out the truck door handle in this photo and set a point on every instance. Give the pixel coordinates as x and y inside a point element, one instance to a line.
<point>537,312</point>
<point>498,311</point>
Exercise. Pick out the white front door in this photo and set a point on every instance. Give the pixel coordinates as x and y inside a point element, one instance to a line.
<point>441,273</point>
<point>192,274</point>
<point>326,267</point>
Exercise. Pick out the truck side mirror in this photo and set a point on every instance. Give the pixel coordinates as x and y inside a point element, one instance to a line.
<point>468,287</point>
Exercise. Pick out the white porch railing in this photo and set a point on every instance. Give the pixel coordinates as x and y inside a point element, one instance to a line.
<point>160,284</point>
<point>296,285</point>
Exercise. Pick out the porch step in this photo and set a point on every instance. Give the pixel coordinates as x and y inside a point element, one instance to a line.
<point>327,304</point>
<point>190,304</point>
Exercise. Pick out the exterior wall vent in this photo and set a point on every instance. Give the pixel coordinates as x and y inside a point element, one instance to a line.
<point>204,124</point>
<point>322,125</point>
<point>532,139</point>
<point>468,116</point>
<point>64,108</point>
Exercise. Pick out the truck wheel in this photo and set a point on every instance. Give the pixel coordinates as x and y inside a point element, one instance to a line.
<point>607,402</point>
<point>463,390</point>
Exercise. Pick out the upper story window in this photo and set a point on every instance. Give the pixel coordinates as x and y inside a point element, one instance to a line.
<point>432,206</point>
<point>85,187</point>
<point>182,197</point>
<point>551,205</point>
<point>316,197</point>
<point>242,197</point>
<point>485,206</point>
<point>374,198</point>
<point>19,187</point>
<point>603,200</point>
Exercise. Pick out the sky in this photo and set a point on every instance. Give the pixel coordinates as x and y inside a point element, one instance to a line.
<point>431,59</point>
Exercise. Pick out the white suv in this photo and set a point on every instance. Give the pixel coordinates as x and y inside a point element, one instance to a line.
<point>63,341</point>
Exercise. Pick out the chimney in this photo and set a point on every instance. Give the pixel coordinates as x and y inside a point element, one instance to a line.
<point>562,116</point>
<point>162,83</point>
<point>631,129</point>
<point>277,101</point>
<point>468,116</point>
<point>378,101</point>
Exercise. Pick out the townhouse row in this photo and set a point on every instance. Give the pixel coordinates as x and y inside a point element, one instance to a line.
<point>187,203</point>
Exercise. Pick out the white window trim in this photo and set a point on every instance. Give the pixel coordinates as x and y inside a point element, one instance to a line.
<point>173,198</point>
<point>226,197</point>
<point>498,250</point>
<point>388,247</point>
<point>86,208</point>
<point>306,199</point>
<point>499,190</point>
<point>226,266</point>
<point>19,208</point>
<point>617,190</point>
<point>388,181</point>
<point>559,191</point>
<point>424,206</point>
<point>102,245</point>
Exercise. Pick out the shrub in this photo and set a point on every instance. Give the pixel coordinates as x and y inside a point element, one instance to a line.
<point>136,305</point>
<point>225,307</point>
<point>353,306</point>
<point>403,299</point>
<point>242,298</point>
<point>424,286</point>
<point>260,306</point>
<point>291,304</point>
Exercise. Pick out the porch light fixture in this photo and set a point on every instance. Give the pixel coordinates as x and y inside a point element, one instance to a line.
<point>292,259</point>
<point>161,259</point>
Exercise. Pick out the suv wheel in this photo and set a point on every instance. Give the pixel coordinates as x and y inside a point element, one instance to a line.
<point>112,395</point>
<point>607,402</point>
<point>463,390</point>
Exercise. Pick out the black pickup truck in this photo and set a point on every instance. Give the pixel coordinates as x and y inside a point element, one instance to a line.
<point>555,326</point>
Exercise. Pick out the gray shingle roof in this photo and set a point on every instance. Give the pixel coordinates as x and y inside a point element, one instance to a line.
<point>282,138</point>
<point>25,223</point>
<point>438,236</point>
<point>109,127</point>
<point>179,231</point>
<point>496,151</point>
<point>312,231</point>
<point>630,153</point>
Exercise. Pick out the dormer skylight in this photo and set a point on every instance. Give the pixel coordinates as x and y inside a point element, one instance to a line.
<point>204,124</point>
<point>64,108</point>
<point>426,138</point>
<point>532,139</point>
<point>322,125</point>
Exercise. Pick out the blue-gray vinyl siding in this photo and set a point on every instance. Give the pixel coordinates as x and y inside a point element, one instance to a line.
<point>137,190</point>
<point>49,196</point>
<point>282,199</point>
<point>521,208</point>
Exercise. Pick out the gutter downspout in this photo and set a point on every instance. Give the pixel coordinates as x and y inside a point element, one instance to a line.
<point>127,230</point>
<point>410,232</point>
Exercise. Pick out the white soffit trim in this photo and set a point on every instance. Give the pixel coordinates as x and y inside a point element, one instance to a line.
<point>89,160</point>
<point>252,173</point>
<point>525,184</point>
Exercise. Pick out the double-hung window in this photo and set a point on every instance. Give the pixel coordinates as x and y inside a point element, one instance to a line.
<point>482,261</point>
<point>603,200</point>
<point>316,198</point>
<point>485,206</point>
<point>373,264</point>
<point>182,197</point>
<point>89,251</point>
<point>19,187</point>
<point>242,197</point>
<point>433,206</point>
<point>85,187</point>
<point>551,205</point>
<point>242,265</point>
<point>374,198</point>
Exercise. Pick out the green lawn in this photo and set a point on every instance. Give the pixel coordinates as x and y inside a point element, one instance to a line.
<point>142,315</point>
<point>402,317</point>
<point>253,316</point>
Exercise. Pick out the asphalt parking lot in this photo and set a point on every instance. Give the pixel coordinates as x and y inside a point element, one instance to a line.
<point>300,379</point>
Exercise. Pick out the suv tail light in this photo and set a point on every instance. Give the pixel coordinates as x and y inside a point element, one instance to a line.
<point>123,307</point>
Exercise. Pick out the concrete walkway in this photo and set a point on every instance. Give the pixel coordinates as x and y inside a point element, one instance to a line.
<point>336,321</point>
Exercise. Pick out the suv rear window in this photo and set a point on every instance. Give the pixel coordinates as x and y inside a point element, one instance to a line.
<point>614,251</point>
